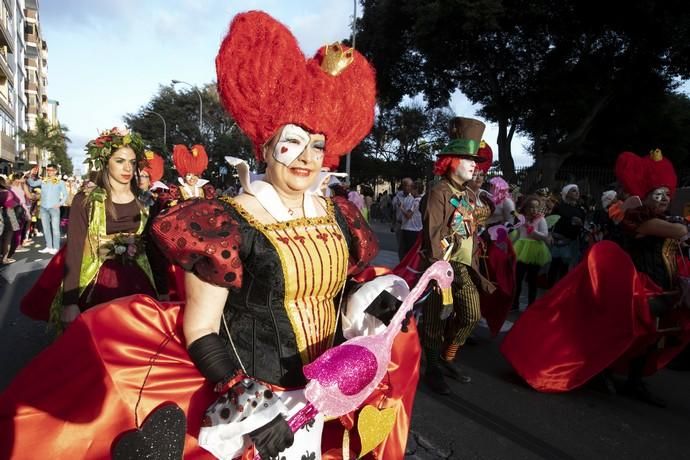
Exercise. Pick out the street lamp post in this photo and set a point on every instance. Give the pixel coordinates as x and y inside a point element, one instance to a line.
<point>354,27</point>
<point>165,128</point>
<point>201,103</point>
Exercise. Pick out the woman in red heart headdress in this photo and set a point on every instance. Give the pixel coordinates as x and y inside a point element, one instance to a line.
<point>190,165</point>
<point>620,309</point>
<point>264,276</point>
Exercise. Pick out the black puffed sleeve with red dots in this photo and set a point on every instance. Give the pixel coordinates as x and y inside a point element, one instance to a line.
<point>204,237</point>
<point>362,240</point>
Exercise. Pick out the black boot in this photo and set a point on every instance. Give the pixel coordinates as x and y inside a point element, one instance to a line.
<point>449,370</point>
<point>433,376</point>
<point>638,389</point>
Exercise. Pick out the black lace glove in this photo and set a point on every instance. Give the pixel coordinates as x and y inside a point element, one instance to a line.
<point>210,355</point>
<point>272,438</point>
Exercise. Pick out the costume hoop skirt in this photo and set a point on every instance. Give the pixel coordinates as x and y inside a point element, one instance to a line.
<point>597,317</point>
<point>86,390</point>
<point>533,252</point>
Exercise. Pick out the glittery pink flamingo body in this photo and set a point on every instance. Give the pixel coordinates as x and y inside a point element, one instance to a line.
<point>343,377</point>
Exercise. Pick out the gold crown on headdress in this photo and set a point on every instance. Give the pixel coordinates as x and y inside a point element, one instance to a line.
<point>149,154</point>
<point>336,59</point>
<point>656,155</point>
<point>195,152</point>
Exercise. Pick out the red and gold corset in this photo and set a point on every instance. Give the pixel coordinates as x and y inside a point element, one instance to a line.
<point>286,278</point>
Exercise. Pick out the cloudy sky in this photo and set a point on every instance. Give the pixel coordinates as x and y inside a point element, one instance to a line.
<point>107,58</point>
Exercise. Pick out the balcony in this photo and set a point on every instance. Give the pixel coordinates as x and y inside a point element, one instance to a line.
<point>31,14</point>
<point>31,86</point>
<point>5,70</point>
<point>5,106</point>
<point>6,36</point>
<point>7,147</point>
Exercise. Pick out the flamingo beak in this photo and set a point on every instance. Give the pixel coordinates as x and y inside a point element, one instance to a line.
<point>447,297</point>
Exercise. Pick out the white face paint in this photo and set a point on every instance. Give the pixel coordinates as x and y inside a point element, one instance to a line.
<point>291,144</point>
<point>659,199</point>
<point>465,169</point>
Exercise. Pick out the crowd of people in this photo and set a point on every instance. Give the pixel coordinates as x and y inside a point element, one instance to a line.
<point>193,323</point>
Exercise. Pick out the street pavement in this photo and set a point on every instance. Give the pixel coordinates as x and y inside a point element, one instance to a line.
<point>496,416</point>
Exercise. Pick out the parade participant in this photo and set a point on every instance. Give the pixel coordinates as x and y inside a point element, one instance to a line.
<point>264,272</point>
<point>156,195</point>
<point>493,249</point>
<point>190,165</point>
<point>53,196</point>
<point>531,249</point>
<point>618,309</point>
<point>504,205</point>
<point>104,257</point>
<point>565,252</point>
<point>448,234</point>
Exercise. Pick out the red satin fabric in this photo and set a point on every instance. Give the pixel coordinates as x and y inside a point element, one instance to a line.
<point>113,280</point>
<point>596,317</point>
<point>398,390</point>
<point>412,266</point>
<point>76,397</point>
<point>79,394</point>
<point>36,303</point>
<point>500,264</point>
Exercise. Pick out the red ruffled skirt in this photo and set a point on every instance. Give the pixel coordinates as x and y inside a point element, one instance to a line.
<point>597,317</point>
<point>80,394</point>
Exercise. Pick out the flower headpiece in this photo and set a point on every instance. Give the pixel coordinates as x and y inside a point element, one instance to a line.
<point>100,149</point>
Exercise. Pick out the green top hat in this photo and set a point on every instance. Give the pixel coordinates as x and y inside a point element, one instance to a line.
<point>466,135</point>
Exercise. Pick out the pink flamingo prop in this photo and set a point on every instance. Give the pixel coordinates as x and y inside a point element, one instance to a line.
<point>343,377</point>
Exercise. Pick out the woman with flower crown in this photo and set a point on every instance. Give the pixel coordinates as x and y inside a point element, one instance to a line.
<point>104,257</point>
<point>265,274</point>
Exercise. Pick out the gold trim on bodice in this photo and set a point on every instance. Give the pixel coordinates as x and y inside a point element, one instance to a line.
<point>668,254</point>
<point>313,256</point>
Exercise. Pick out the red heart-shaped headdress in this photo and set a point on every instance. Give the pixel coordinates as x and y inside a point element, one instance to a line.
<point>190,162</point>
<point>641,175</point>
<point>265,82</point>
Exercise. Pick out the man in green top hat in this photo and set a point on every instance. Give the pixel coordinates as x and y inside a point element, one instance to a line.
<point>448,233</point>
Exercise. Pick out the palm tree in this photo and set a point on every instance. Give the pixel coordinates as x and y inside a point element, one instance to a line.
<point>50,138</point>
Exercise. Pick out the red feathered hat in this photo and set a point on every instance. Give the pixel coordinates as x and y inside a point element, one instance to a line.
<point>640,175</point>
<point>265,82</point>
<point>487,154</point>
<point>155,165</point>
<point>186,162</point>
<point>331,162</point>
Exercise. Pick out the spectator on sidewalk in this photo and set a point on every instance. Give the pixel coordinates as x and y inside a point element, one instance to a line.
<point>21,191</point>
<point>412,219</point>
<point>53,196</point>
<point>403,191</point>
<point>9,224</point>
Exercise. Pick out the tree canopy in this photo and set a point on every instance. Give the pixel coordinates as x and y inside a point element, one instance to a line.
<point>50,138</point>
<point>180,110</point>
<point>569,74</point>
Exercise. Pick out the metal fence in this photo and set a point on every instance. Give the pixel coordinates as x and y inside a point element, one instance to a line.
<point>592,181</point>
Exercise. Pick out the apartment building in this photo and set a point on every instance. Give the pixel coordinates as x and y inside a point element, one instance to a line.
<point>36,77</point>
<point>23,82</point>
<point>8,116</point>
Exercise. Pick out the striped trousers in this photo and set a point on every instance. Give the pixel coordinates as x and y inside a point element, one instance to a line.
<point>455,330</point>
